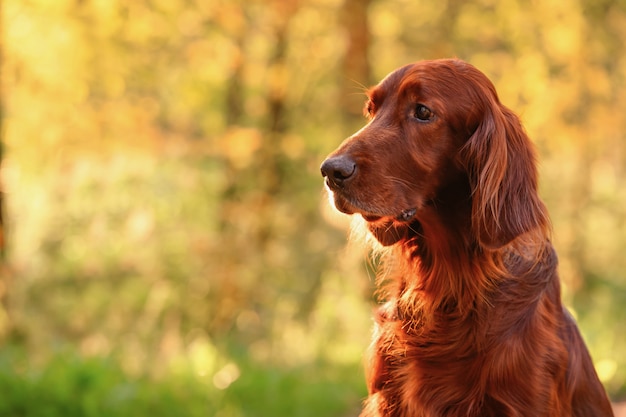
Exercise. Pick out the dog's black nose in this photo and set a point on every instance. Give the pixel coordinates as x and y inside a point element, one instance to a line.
<point>338,168</point>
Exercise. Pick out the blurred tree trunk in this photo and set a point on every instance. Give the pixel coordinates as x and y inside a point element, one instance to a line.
<point>276,97</point>
<point>356,68</point>
<point>267,172</point>
<point>443,41</point>
<point>220,316</point>
<point>234,89</point>
<point>272,167</point>
<point>5,317</point>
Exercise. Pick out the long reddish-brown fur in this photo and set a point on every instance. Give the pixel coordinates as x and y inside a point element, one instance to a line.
<point>471,322</point>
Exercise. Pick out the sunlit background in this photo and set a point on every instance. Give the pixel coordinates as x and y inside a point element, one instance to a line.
<point>169,250</point>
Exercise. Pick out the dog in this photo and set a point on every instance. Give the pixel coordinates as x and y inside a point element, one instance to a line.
<point>471,322</point>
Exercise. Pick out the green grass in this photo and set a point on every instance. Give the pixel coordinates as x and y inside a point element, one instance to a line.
<point>68,385</point>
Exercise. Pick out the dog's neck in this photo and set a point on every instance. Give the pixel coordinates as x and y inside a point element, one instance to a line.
<point>443,261</point>
<point>443,228</point>
<point>441,257</point>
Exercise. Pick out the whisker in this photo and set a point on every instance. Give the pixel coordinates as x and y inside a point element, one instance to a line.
<point>358,84</point>
<point>398,180</point>
<point>417,232</point>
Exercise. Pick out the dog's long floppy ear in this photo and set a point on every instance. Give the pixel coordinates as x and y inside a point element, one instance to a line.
<point>500,161</point>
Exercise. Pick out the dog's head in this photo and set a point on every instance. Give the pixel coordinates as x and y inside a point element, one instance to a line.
<point>431,124</point>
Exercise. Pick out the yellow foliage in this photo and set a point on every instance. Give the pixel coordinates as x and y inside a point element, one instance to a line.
<point>240,145</point>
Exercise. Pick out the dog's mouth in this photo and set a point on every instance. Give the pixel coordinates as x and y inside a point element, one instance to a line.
<point>391,229</point>
<point>404,216</point>
<point>371,215</point>
<point>387,227</point>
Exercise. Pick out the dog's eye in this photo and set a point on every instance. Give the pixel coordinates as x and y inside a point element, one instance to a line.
<point>423,113</point>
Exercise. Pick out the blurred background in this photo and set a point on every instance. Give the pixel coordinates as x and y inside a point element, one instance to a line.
<point>168,249</point>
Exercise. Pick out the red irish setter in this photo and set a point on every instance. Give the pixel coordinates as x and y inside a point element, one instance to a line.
<point>472,324</point>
